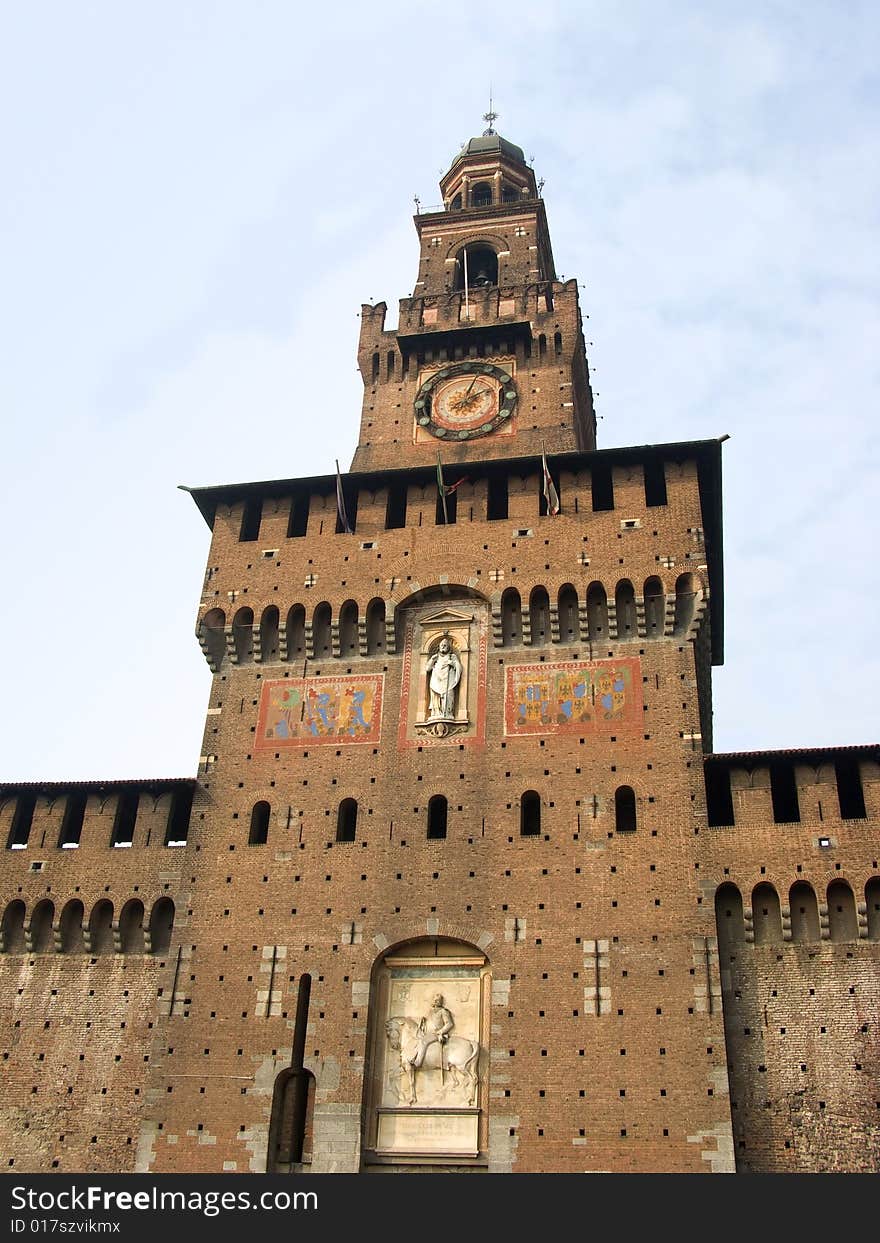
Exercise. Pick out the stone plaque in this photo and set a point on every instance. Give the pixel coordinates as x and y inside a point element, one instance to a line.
<point>452,1132</point>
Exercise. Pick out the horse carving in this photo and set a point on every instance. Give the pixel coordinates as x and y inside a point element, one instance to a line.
<point>456,1060</point>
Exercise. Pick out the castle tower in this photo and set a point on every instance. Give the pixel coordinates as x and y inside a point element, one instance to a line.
<point>459,884</point>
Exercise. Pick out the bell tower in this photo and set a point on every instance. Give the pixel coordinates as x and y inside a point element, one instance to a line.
<point>488,358</point>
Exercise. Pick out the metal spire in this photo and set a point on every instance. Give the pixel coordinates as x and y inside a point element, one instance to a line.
<point>490,117</point>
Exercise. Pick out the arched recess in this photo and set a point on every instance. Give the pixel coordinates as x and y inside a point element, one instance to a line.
<point>539,616</point>
<point>569,628</point>
<point>376,627</point>
<point>292,1122</point>
<point>804,913</point>
<point>422,989</point>
<point>269,622</point>
<point>243,635</point>
<point>296,632</point>
<point>12,928</point>
<point>729,925</point>
<point>348,630</point>
<point>872,907</point>
<point>213,637</point>
<point>41,923</point>
<point>843,924</point>
<point>511,618</point>
<point>101,928</point>
<point>482,266</point>
<point>766,915</point>
<point>161,925</point>
<point>625,609</point>
<point>597,613</point>
<point>293,1099</point>
<point>70,928</point>
<point>321,640</point>
<point>685,603</point>
<point>655,608</point>
<point>131,927</point>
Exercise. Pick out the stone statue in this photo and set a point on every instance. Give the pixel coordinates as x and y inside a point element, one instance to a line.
<point>444,668</point>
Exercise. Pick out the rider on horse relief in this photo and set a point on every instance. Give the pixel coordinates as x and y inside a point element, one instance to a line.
<point>436,1025</point>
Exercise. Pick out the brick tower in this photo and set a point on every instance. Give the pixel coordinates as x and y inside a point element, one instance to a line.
<point>444,893</point>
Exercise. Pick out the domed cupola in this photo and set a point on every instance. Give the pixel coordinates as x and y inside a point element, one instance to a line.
<point>489,171</point>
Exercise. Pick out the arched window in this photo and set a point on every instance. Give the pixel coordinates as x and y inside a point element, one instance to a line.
<point>42,918</point>
<point>655,608</point>
<point>482,267</point>
<point>729,924</point>
<point>557,344</point>
<point>842,922</point>
<point>376,627</point>
<point>625,601</point>
<point>131,927</point>
<point>296,632</point>
<point>539,616</point>
<point>511,618</point>
<point>597,613</point>
<point>872,905</point>
<point>12,929</point>
<point>625,809</point>
<point>213,637</point>
<point>455,205</point>
<point>161,925</point>
<point>72,821</point>
<point>269,634</point>
<point>321,631</point>
<point>569,628</point>
<point>530,814</point>
<point>259,831</point>
<point>804,913</point>
<point>243,635</point>
<point>101,928</point>
<point>20,829</point>
<point>346,820</point>
<point>348,629</point>
<point>509,194</point>
<point>481,194</point>
<point>70,928</point>
<point>766,915</point>
<point>437,816</point>
<point>685,603</point>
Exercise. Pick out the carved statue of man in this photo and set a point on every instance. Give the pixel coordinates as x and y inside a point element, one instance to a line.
<point>444,668</point>
<point>436,1025</point>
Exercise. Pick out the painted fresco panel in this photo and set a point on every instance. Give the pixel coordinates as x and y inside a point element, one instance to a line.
<point>320,710</point>
<point>573,697</point>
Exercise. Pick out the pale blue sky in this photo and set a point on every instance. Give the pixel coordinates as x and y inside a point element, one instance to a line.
<point>197,199</point>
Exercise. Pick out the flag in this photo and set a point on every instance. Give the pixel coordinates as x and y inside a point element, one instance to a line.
<point>340,503</point>
<point>551,496</point>
<point>441,487</point>
<point>444,490</point>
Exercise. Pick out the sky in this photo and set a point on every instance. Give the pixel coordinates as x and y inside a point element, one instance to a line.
<point>198,198</point>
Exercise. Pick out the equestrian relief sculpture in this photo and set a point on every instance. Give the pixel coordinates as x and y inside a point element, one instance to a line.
<point>429,1044</point>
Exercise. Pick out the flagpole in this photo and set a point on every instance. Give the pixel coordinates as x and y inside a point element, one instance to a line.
<point>467,313</point>
<point>441,488</point>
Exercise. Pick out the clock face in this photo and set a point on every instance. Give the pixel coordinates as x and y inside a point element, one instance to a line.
<point>465,401</point>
